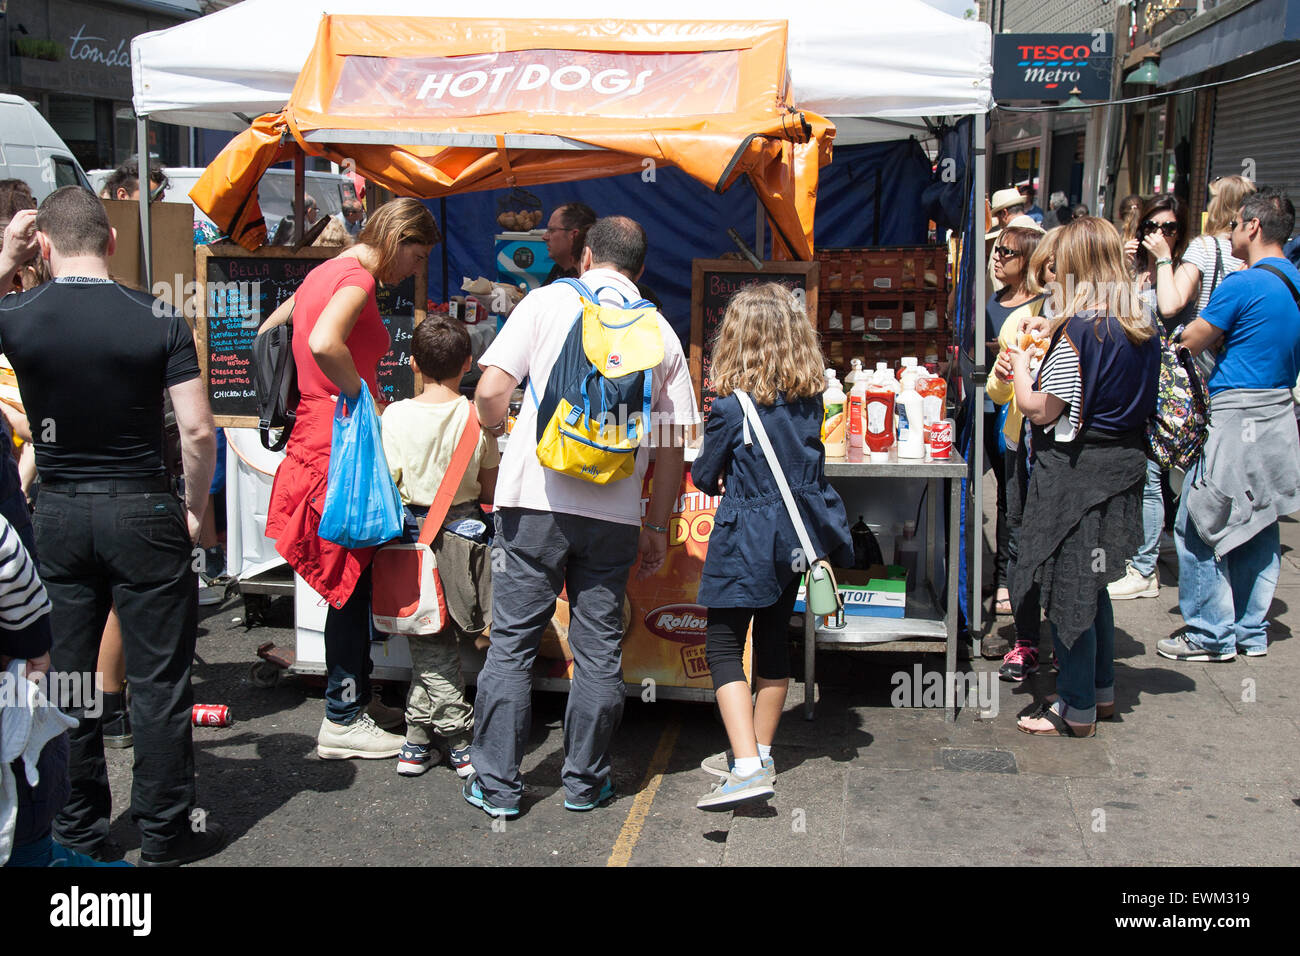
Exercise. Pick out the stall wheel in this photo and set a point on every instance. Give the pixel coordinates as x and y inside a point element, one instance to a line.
<point>264,674</point>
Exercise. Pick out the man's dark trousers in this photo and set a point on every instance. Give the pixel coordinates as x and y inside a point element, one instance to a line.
<point>130,549</point>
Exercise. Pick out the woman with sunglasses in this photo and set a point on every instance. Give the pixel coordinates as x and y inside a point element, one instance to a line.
<point>1155,256</point>
<point>1016,300</point>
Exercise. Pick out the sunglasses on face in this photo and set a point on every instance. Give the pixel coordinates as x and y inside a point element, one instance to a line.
<point>1169,229</point>
<point>1005,252</point>
<point>1233,223</point>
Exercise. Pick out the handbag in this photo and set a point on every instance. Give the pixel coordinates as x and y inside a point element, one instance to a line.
<point>407,596</point>
<point>823,594</point>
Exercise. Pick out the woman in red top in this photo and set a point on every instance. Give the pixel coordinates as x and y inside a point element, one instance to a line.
<point>338,339</point>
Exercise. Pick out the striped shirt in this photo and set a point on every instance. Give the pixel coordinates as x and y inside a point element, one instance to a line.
<point>22,596</point>
<point>1061,376</point>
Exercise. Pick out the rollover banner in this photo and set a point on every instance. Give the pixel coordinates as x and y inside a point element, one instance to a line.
<point>1046,66</point>
<point>561,82</point>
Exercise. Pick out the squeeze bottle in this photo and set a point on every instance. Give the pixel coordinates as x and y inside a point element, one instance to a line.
<point>833,425</point>
<point>878,426</point>
<point>911,438</point>
<point>857,398</point>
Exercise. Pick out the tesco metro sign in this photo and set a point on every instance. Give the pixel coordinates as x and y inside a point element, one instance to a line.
<point>1046,66</point>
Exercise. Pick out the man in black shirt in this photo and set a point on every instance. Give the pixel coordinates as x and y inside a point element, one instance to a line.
<point>92,359</point>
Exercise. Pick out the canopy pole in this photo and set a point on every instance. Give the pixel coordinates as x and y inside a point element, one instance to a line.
<point>146,236</point>
<point>299,190</point>
<point>980,372</point>
<point>760,221</point>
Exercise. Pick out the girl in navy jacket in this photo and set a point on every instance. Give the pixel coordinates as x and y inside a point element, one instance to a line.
<point>767,348</point>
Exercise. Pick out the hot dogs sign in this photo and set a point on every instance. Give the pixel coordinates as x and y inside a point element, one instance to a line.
<point>539,81</point>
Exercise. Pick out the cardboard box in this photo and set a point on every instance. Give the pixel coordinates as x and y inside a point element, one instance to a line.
<point>879,591</point>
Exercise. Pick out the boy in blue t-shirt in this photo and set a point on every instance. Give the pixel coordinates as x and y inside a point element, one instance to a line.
<point>1248,474</point>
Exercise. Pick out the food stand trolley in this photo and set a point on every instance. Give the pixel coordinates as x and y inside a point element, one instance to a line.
<point>930,84</point>
<point>931,622</point>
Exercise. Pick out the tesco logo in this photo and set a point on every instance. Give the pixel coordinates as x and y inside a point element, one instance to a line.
<point>683,623</point>
<point>1055,52</point>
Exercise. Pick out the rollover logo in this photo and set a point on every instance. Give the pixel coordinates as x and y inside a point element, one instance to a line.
<point>683,623</point>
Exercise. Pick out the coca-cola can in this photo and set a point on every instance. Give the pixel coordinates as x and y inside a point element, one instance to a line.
<point>940,439</point>
<point>210,715</point>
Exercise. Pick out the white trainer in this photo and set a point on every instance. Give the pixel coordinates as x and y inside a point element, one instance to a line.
<point>1133,585</point>
<point>361,738</point>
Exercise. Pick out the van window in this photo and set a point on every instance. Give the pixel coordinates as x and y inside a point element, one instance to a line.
<point>65,173</point>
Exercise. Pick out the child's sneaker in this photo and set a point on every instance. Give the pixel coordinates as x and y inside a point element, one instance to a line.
<point>732,790</point>
<point>459,760</point>
<point>415,759</point>
<point>721,764</point>
<point>1020,662</point>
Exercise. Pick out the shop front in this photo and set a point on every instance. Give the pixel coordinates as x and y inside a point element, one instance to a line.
<point>72,60</point>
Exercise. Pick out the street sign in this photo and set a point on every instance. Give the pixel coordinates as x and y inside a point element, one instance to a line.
<point>1047,66</point>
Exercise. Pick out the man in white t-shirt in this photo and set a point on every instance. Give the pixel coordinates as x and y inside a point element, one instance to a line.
<point>554,531</point>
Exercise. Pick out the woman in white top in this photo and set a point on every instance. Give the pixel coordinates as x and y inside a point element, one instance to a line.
<point>1207,259</point>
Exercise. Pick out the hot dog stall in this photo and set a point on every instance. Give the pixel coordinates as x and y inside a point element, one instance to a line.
<point>441,107</point>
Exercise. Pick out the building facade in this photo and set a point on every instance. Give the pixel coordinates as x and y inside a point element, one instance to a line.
<point>72,60</point>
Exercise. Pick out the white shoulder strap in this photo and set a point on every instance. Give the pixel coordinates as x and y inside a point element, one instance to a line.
<point>751,416</point>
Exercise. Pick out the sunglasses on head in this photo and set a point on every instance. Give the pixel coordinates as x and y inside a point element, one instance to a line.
<point>1168,228</point>
<point>1005,252</point>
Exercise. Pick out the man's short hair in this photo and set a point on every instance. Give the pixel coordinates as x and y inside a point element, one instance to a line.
<point>440,346</point>
<point>1014,210</point>
<point>75,222</point>
<point>1274,210</point>
<point>618,241</point>
<point>127,176</point>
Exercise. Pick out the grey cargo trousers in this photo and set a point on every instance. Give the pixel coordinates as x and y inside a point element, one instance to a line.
<point>535,555</point>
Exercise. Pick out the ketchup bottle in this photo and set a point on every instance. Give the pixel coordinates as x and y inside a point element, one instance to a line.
<point>878,418</point>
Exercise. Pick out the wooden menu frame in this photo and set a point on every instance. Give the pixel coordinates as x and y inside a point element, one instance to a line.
<point>701,269</point>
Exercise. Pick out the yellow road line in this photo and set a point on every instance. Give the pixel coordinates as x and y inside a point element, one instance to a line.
<point>636,816</point>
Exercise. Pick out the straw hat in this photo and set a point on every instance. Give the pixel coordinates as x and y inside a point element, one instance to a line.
<point>1025,222</point>
<point>1004,198</point>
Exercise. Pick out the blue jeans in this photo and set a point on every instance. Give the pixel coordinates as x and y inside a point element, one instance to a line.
<point>1087,676</point>
<point>1225,602</point>
<point>1153,521</point>
<point>347,655</point>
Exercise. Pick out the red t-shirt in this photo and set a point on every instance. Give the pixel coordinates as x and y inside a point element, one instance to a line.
<point>368,343</point>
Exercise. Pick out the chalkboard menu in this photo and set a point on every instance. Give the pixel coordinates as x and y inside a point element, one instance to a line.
<point>713,283</point>
<point>238,291</point>
<point>397,308</point>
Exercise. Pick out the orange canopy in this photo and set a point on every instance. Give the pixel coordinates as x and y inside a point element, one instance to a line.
<point>430,107</point>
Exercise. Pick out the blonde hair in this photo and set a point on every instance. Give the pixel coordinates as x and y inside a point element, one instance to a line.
<point>1036,272</point>
<point>766,346</point>
<point>1090,263</point>
<point>396,222</point>
<point>1228,193</point>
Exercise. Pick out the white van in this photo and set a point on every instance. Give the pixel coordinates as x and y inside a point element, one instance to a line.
<point>274,192</point>
<point>30,150</point>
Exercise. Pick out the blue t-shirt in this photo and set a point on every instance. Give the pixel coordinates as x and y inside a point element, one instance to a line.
<point>1261,328</point>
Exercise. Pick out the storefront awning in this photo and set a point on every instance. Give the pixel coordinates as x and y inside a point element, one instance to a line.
<point>429,107</point>
<point>1247,31</point>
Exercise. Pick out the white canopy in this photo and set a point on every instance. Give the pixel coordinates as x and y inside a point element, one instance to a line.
<point>881,59</point>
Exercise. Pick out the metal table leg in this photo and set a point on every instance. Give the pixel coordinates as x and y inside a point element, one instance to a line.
<point>809,661</point>
<point>950,618</point>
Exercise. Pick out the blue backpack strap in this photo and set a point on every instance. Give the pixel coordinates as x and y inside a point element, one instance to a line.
<point>580,286</point>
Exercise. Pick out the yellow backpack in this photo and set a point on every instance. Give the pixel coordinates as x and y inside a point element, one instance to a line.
<point>595,412</point>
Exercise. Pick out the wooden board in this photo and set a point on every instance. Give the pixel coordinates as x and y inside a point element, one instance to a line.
<point>713,282</point>
<point>238,291</point>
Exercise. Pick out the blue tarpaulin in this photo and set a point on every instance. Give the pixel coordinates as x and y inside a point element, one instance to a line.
<point>870,195</point>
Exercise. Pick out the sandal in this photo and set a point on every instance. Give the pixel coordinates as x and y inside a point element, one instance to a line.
<point>1105,711</point>
<point>1002,605</point>
<point>1060,726</point>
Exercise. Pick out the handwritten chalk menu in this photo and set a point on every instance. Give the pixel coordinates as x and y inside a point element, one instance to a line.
<point>397,309</point>
<point>713,283</point>
<point>238,292</point>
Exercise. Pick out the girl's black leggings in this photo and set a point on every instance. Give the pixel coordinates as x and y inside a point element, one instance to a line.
<point>724,642</point>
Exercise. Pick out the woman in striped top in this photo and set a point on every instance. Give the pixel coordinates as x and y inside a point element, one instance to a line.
<point>1088,408</point>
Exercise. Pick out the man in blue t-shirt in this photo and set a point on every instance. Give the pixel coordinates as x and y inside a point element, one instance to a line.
<point>1249,471</point>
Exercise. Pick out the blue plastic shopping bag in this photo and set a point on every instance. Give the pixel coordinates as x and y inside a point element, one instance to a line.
<point>362,505</point>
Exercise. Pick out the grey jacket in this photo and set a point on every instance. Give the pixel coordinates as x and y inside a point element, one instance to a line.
<point>1248,475</point>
